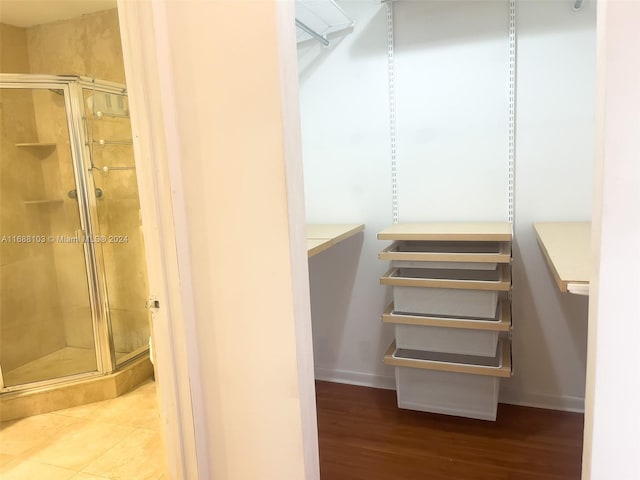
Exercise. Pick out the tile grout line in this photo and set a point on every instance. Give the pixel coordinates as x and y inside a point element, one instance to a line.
<point>27,456</point>
<point>135,430</point>
<point>82,470</point>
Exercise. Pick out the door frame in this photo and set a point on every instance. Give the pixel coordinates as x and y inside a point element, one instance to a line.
<point>166,252</point>
<point>152,100</point>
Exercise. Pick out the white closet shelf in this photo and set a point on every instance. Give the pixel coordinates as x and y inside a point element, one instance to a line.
<point>319,18</point>
<point>567,248</point>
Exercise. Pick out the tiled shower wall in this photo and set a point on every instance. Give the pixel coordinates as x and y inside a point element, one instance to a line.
<point>31,323</point>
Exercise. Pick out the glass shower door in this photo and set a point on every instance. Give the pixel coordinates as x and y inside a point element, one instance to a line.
<point>46,326</point>
<point>119,222</point>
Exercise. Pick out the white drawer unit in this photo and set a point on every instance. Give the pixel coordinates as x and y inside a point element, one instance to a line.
<point>451,313</point>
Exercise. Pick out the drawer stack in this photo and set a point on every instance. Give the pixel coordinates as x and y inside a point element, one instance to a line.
<point>452,315</point>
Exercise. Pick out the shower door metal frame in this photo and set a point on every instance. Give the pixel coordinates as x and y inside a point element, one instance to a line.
<point>72,87</point>
<point>95,260</point>
<point>104,86</point>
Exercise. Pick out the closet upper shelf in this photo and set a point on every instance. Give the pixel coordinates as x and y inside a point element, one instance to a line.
<point>448,232</point>
<point>324,236</point>
<point>567,249</point>
<point>316,19</point>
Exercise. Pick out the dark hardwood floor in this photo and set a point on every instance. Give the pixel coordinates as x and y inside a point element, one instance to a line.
<point>364,436</point>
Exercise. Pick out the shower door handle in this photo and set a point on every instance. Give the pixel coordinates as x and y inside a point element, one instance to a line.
<point>74,193</point>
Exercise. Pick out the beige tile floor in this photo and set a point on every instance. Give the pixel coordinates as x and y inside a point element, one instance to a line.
<point>115,439</point>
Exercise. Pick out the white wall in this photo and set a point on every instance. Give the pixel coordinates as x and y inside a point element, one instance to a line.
<point>555,151</point>
<point>452,106</point>
<point>611,446</point>
<point>345,130</point>
<point>233,192</point>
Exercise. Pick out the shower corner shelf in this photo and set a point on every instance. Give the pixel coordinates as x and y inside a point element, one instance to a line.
<point>36,145</point>
<point>43,202</point>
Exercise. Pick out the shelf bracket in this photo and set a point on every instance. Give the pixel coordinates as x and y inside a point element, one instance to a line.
<point>323,40</point>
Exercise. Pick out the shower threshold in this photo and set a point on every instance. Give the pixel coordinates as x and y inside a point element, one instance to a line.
<point>60,363</point>
<point>73,390</point>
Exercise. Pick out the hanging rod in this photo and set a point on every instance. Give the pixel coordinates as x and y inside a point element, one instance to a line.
<point>312,32</point>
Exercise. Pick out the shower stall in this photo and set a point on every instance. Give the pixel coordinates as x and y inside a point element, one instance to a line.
<point>73,284</point>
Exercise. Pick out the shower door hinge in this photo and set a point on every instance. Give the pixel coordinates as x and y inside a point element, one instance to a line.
<point>153,303</point>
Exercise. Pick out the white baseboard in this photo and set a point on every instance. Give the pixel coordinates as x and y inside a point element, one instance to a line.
<point>355,378</point>
<point>564,403</point>
<point>526,399</point>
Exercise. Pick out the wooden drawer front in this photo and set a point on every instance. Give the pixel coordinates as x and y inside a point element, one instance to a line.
<point>497,366</point>
<point>501,322</point>
<point>495,280</point>
<point>470,254</point>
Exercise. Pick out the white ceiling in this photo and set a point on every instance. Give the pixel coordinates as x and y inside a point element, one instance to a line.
<point>27,13</point>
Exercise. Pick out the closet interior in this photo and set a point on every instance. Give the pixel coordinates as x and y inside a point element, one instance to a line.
<point>454,140</point>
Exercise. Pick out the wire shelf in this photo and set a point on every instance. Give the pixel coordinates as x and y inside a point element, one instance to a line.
<point>316,19</point>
